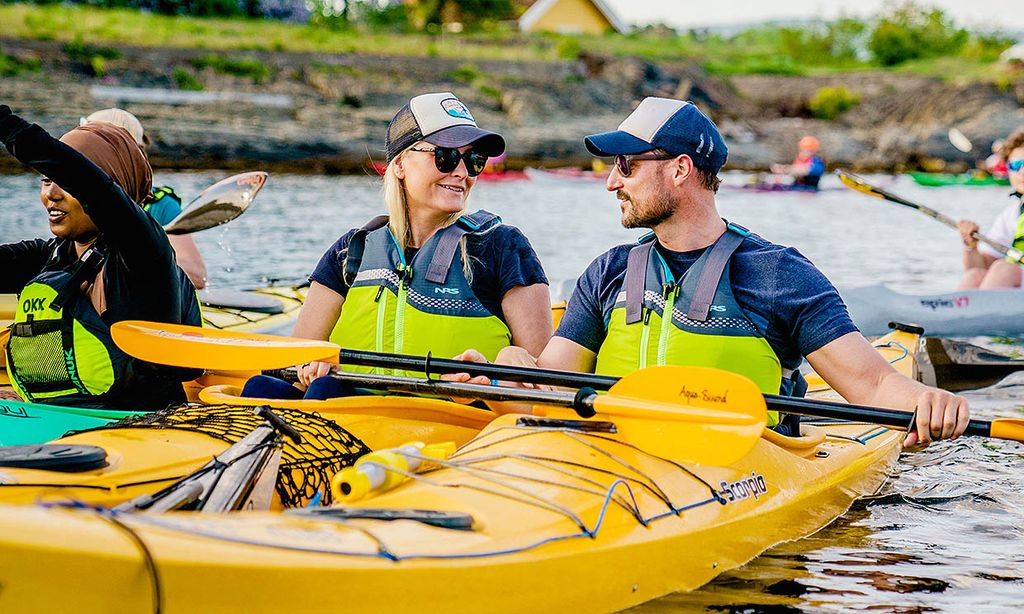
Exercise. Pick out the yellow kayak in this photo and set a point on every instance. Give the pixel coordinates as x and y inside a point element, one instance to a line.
<point>143,458</point>
<point>533,514</point>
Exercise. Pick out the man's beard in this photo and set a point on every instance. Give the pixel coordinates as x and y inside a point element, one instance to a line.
<point>646,214</point>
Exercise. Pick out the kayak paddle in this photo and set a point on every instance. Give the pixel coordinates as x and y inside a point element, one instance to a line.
<point>696,414</point>
<point>218,204</point>
<point>853,181</point>
<point>191,346</point>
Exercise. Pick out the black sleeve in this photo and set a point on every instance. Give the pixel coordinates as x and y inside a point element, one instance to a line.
<point>125,226</point>
<point>20,262</point>
<point>330,270</point>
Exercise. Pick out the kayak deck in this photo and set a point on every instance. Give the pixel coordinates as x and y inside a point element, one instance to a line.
<point>141,459</point>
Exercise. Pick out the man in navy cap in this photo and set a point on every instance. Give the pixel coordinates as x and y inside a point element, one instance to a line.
<point>700,291</point>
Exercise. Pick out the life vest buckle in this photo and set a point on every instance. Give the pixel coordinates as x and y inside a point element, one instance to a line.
<point>21,329</point>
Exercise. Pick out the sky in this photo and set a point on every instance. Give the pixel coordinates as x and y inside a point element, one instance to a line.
<point>985,14</point>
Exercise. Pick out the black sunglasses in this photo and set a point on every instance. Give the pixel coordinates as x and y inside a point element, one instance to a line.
<point>446,159</point>
<point>623,162</point>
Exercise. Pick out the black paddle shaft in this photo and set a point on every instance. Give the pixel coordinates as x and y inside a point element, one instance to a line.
<point>581,401</point>
<point>590,381</point>
<point>860,413</point>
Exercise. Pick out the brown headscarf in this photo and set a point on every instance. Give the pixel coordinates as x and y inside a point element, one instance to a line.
<point>115,151</point>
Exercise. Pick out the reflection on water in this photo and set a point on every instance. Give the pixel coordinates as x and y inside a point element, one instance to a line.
<point>946,534</point>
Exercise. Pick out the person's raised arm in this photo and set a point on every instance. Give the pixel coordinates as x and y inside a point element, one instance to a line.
<point>122,222</point>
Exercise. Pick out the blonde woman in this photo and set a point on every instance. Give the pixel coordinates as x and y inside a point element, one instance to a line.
<point>428,276</point>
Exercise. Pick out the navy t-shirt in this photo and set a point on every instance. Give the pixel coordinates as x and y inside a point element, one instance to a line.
<point>500,260</point>
<point>794,307</point>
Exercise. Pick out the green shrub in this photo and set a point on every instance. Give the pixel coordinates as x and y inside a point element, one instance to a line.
<point>910,32</point>
<point>10,65</point>
<point>986,47</point>
<point>80,51</point>
<point>568,48</point>
<point>466,73</point>
<point>830,102</point>
<point>185,80</point>
<point>98,66</point>
<point>491,91</point>
<point>239,67</point>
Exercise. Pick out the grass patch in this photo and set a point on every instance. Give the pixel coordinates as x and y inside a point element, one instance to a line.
<point>185,80</point>
<point>11,65</point>
<point>815,49</point>
<point>239,67</point>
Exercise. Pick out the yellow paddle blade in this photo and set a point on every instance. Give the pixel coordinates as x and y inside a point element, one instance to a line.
<point>700,415</point>
<point>1008,428</point>
<point>179,345</point>
<point>853,182</point>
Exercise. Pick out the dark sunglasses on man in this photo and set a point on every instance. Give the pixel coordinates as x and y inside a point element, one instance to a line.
<point>446,159</point>
<point>622,163</point>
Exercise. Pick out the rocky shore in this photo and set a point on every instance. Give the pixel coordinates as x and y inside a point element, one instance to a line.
<point>327,113</point>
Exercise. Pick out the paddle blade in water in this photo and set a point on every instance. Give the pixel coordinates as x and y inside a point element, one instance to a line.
<point>218,204</point>
<point>702,415</point>
<point>203,348</point>
<point>959,140</point>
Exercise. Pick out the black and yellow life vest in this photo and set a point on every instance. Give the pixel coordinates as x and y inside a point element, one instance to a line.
<point>692,321</point>
<point>60,349</point>
<point>417,307</point>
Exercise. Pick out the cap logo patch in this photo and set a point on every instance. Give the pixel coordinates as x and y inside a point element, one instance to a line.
<point>701,146</point>
<point>455,108</point>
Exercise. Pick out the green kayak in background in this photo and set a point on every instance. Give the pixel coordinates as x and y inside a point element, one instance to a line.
<point>944,179</point>
<point>31,423</point>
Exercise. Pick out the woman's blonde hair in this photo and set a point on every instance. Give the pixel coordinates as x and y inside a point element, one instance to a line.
<point>398,214</point>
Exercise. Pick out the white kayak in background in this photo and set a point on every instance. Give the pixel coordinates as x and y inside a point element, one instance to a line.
<point>963,313</point>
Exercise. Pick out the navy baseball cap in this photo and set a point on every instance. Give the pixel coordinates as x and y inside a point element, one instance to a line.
<point>674,126</point>
<point>440,119</point>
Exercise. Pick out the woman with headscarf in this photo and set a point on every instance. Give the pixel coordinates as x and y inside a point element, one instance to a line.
<point>428,277</point>
<point>107,261</point>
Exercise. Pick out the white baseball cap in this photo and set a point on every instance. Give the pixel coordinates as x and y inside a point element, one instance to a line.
<point>121,119</point>
<point>440,119</point>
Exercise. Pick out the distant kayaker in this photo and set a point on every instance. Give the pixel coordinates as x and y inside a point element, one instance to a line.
<point>995,164</point>
<point>428,277</point>
<point>736,301</point>
<point>163,204</point>
<point>807,168</point>
<point>984,267</point>
<point>107,261</point>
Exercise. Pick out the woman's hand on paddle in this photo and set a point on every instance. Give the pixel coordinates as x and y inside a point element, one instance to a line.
<point>312,370</point>
<point>466,378</point>
<point>939,415</point>
<point>967,229</point>
<point>511,355</point>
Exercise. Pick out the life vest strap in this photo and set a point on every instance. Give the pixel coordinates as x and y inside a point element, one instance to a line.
<point>448,241</point>
<point>714,266</point>
<point>34,328</point>
<point>87,267</point>
<point>357,246</point>
<point>636,281</point>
